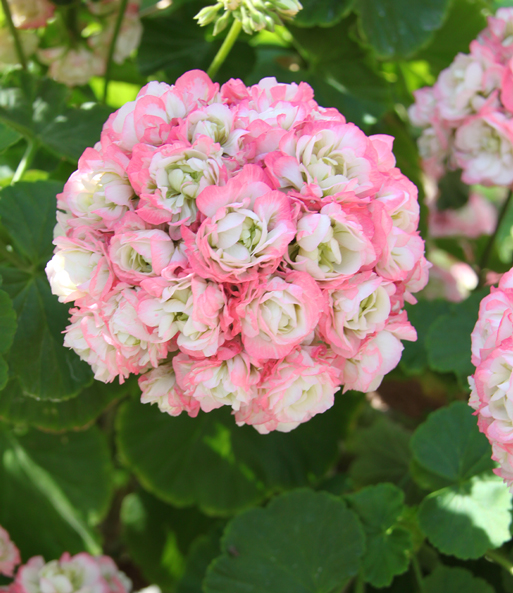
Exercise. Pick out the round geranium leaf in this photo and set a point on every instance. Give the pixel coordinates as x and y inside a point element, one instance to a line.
<point>303,541</point>
<point>448,448</point>
<point>388,545</point>
<point>454,580</point>
<point>467,520</point>
<point>211,462</point>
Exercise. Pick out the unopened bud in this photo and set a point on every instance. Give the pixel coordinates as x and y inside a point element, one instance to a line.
<point>208,14</point>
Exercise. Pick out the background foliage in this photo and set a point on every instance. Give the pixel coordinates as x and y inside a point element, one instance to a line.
<point>394,493</point>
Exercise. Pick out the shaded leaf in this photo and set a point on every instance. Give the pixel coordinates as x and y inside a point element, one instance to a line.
<point>455,580</point>
<point>388,545</point>
<point>211,462</point>
<point>303,541</point>
<point>7,331</point>
<point>322,12</point>
<point>203,551</point>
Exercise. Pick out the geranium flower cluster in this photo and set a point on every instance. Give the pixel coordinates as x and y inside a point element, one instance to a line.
<point>71,62</point>
<point>238,247</point>
<point>492,383</point>
<point>467,115</point>
<point>70,574</point>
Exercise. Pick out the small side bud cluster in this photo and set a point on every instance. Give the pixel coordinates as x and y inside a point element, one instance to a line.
<point>255,15</point>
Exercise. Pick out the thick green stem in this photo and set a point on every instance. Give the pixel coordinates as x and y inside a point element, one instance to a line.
<point>110,56</point>
<point>500,559</point>
<point>417,572</point>
<point>25,162</point>
<point>483,261</point>
<point>70,17</point>
<point>14,32</point>
<point>224,50</point>
<point>359,584</point>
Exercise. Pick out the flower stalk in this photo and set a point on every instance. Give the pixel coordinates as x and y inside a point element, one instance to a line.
<point>14,32</point>
<point>225,49</point>
<point>110,56</point>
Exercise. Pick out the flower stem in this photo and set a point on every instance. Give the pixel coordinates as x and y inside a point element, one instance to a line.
<point>417,572</point>
<point>224,50</point>
<point>499,558</point>
<point>483,261</point>
<point>14,32</point>
<point>25,162</point>
<point>110,56</point>
<point>359,584</point>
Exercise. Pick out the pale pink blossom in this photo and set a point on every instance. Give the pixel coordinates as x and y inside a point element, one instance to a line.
<point>30,14</point>
<point>159,387</point>
<point>277,315</point>
<point>8,54</point>
<point>247,230</point>
<point>498,35</point>
<point>128,39</point>
<point>477,217</point>
<point>9,554</point>
<point>295,389</point>
<point>422,112</point>
<point>72,66</point>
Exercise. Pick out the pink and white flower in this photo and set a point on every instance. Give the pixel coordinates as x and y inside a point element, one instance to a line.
<point>9,554</point>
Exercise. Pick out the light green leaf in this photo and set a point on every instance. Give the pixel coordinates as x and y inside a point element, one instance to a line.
<point>8,137</point>
<point>388,546</point>
<point>52,489</point>
<point>469,519</point>
<point>211,462</point>
<point>449,449</point>
<point>398,28</point>
<point>446,579</point>
<point>303,541</point>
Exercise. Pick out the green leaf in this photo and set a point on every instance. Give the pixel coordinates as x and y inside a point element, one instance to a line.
<point>52,489</point>
<point>398,28</point>
<point>45,369</point>
<point>449,448</point>
<point>37,108</point>
<point>8,137</point>
<point>158,536</point>
<point>176,45</point>
<point>322,13</point>
<point>453,192</point>
<point>388,546</point>
<point>463,23</point>
<point>455,580</point>
<point>304,541</point>
<point>448,339</point>
<point>70,414</point>
<point>414,359</point>
<point>7,331</point>
<point>211,462</point>
<point>469,519</point>
<point>27,211</point>
<point>382,455</point>
<point>203,551</point>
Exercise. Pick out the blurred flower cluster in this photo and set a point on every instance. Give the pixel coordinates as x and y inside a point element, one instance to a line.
<point>72,40</point>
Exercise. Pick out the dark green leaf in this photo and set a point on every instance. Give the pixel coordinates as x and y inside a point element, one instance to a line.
<point>27,211</point>
<point>70,414</point>
<point>211,462</point>
<point>322,12</point>
<point>158,536</point>
<point>52,488</point>
<point>453,192</point>
<point>8,137</point>
<point>176,44</point>
<point>388,546</point>
<point>454,580</point>
<point>469,519</point>
<point>36,108</point>
<point>382,455</point>
<point>448,339</point>
<point>7,331</point>
<point>398,28</point>
<point>464,21</point>
<point>304,541</point>
<point>45,368</point>
<point>449,448</point>
<point>203,551</point>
